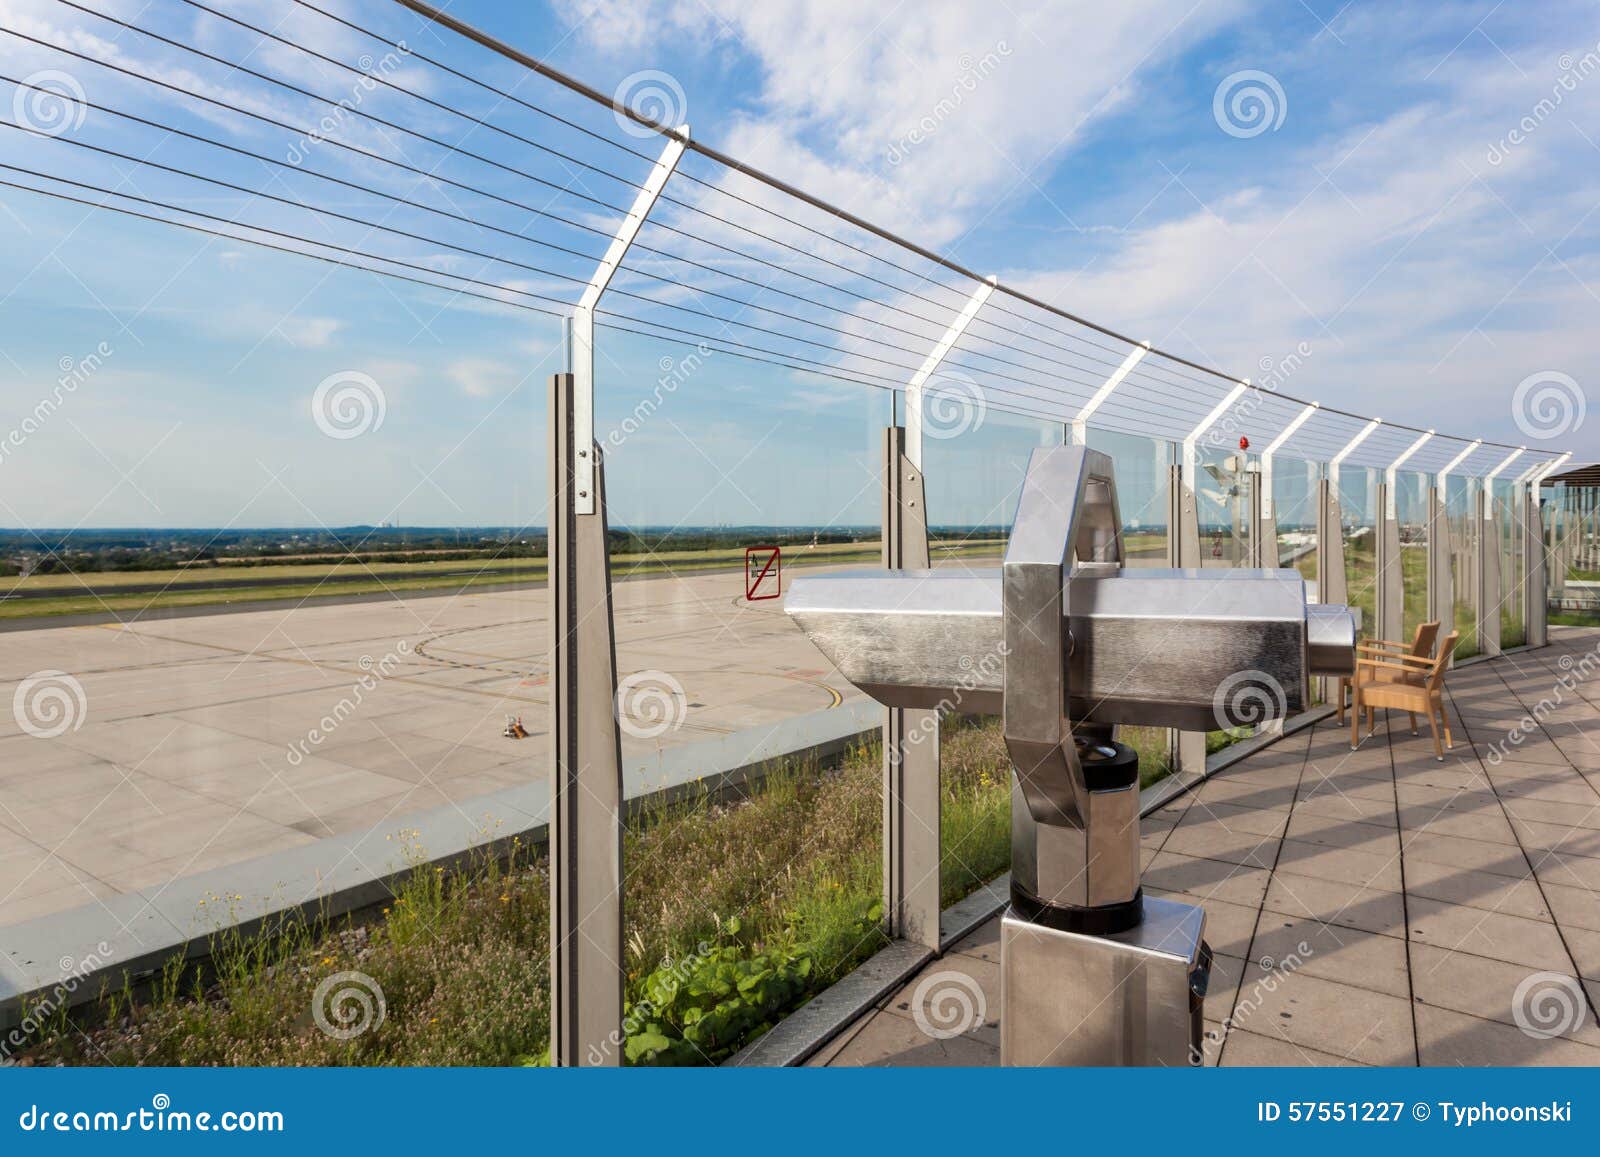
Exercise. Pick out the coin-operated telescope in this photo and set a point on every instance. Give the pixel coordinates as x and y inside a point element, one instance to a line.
<point>1065,644</point>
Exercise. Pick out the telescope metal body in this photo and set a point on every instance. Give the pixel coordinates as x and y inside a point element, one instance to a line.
<point>1065,644</point>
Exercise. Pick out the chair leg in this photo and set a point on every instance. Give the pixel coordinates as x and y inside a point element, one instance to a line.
<point>1438,752</point>
<point>1413,715</point>
<point>1344,686</point>
<point>1444,721</point>
<point>1355,718</point>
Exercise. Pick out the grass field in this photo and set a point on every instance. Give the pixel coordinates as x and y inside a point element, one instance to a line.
<point>106,592</point>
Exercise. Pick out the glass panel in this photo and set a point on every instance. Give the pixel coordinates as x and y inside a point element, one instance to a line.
<point>1358,510</point>
<point>1509,516</point>
<point>1143,467</point>
<point>1223,488</point>
<point>1411,512</point>
<point>1461,508</point>
<point>1294,508</point>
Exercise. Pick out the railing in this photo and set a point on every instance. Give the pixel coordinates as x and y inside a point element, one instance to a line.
<point>703,251</point>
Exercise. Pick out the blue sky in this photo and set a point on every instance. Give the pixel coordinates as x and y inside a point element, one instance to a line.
<point>1389,225</point>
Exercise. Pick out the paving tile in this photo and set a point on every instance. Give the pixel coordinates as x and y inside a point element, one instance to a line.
<point>1233,818</point>
<point>1456,852</point>
<point>1533,943</point>
<point>1310,946</point>
<point>1346,865</point>
<point>1489,989</point>
<point>1211,841</point>
<point>1486,890</point>
<point>1309,828</point>
<point>1330,803</point>
<point>1452,1038</point>
<point>1245,1049</point>
<point>1206,880</point>
<point>887,1039</point>
<point>1371,1027</point>
<point>1572,907</point>
<point>1342,904</point>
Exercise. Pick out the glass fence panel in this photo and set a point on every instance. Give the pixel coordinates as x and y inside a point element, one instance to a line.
<point>1411,493</point>
<point>1461,510</point>
<point>1508,519</point>
<point>973,467</point>
<point>1144,469</point>
<point>727,482</point>
<point>1358,510</point>
<point>1294,511</point>
<point>1224,499</point>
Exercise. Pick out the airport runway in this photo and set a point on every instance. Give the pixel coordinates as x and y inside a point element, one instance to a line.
<point>203,741</point>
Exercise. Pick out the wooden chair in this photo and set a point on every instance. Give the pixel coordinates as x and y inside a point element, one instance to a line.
<point>1420,647</point>
<point>1392,683</point>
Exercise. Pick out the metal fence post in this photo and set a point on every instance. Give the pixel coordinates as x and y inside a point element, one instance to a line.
<point>586,951</point>
<point>911,788</point>
<point>586,801</point>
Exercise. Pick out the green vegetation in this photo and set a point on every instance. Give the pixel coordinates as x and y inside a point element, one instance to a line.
<point>736,913</point>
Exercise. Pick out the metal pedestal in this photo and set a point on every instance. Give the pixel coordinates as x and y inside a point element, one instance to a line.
<point>1130,998</point>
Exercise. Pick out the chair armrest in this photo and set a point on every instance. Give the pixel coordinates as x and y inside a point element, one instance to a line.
<point>1384,644</point>
<point>1409,664</point>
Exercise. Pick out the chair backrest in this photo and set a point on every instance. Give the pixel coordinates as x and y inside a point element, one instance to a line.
<point>1422,642</point>
<point>1442,660</point>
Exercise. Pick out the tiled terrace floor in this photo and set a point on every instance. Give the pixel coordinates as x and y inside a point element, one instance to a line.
<point>1424,893</point>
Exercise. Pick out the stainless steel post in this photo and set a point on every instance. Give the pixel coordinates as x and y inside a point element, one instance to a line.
<point>586,953</point>
<point>911,788</point>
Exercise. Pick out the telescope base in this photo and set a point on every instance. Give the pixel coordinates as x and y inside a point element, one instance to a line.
<point>1130,998</point>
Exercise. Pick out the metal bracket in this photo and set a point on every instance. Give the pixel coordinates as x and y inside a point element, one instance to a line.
<point>1079,429</point>
<point>581,348</point>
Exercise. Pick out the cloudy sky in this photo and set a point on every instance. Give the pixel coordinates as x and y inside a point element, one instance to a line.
<point>1402,195</point>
